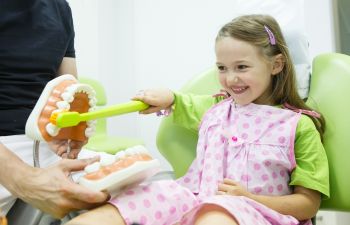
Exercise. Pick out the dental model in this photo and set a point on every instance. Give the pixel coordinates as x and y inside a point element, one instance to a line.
<point>66,111</point>
<point>60,95</point>
<point>124,169</point>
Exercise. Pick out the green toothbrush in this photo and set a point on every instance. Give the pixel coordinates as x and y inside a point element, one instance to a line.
<point>71,119</point>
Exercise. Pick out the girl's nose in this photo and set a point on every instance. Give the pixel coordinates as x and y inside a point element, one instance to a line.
<point>232,79</point>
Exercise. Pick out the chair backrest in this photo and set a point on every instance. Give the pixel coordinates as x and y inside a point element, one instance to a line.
<point>177,144</point>
<point>101,126</point>
<point>328,94</point>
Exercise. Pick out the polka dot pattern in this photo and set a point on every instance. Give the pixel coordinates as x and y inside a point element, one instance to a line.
<point>248,144</point>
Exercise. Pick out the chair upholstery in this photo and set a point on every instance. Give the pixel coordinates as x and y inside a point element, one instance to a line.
<point>329,94</point>
<point>176,143</point>
<point>101,141</point>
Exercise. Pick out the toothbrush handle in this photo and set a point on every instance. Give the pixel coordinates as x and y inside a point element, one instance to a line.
<point>114,110</point>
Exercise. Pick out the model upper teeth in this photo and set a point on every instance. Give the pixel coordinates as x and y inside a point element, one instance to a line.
<point>52,129</point>
<point>64,105</point>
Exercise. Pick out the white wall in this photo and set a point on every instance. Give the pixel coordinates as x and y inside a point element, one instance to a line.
<point>319,26</point>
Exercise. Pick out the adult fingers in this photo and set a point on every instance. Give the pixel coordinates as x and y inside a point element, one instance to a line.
<point>69,165</point>
<point>84,194</point>
<point>59,146</point>
<point>75,148</point>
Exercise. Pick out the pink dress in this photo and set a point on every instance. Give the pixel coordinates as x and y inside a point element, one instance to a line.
<point>252,144</point>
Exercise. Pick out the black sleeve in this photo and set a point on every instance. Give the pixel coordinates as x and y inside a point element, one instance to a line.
<point>70,49</point>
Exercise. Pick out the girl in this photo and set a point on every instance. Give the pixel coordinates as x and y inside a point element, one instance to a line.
<point>259,159</point>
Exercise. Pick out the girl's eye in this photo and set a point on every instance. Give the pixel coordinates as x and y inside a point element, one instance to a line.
<point>242,67</point>
<point>221,68</point>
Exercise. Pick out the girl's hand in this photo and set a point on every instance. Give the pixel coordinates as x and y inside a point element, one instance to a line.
<point>158,99</point>
<point>231,187</point>
<point>66,148</point>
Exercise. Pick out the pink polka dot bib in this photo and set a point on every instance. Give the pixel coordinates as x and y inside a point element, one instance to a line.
<point>251,144</point>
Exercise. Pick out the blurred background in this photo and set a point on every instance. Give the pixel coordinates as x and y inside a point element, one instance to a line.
<point>129,45</point>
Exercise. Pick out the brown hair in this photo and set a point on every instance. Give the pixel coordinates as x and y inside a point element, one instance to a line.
<point>251,28</point>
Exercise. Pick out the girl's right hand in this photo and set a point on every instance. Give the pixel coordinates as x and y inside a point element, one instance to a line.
<point>158,99</point>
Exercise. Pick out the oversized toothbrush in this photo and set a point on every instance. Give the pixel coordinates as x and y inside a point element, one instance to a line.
<point>66,111</point>
<point>69,119</point>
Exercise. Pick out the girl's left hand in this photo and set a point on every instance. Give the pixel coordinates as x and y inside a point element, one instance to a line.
<point>231,187</point>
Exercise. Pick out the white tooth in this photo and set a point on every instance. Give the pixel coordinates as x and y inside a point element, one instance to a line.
<point>92,167</point>
<point>141,149</point>
<point>92,102</point>
<point>67,96</point>
<point>92,92</point>
<point>89,131</point>
<point>63,105</point>
<point>91,109</point>
<point>91,122</point>
<point>107,160</point>
<point>120,155</point>
<point>70,89</point>
<point>52,130</point>
<point>130,151</point>
<point>56,111</point>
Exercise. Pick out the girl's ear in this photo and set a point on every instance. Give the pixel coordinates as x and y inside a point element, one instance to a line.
<point>278,64</point>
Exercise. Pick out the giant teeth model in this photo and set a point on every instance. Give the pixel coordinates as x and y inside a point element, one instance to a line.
<point>124,169</point>
<point>61,94</point>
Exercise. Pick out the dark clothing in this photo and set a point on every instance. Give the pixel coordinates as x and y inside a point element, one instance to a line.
<point>35,35</point>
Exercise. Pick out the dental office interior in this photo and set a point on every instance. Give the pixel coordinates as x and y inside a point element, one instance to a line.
<point>131,45</point>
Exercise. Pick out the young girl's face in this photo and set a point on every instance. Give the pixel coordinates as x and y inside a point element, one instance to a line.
<point>243,72</point>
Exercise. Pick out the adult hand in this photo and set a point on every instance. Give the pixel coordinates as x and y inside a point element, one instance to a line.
<point>52,191</point>
<point>231,187</point>
<point>158,99</point>
<point>66,148</point>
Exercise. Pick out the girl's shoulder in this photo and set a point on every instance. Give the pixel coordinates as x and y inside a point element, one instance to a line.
<point>305,124</point>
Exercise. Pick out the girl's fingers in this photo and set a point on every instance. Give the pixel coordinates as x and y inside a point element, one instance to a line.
<point>230,182</point>
<point>224,187</point>
<point>220,193</point>
<point>151,110</point>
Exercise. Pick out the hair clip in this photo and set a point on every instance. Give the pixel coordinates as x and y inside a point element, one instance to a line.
<point>271,36</point>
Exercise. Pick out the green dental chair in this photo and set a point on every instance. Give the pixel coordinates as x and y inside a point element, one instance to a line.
<point>329,94</point>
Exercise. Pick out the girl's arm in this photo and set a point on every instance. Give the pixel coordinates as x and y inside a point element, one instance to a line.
<point>188,108</point>
<point>302,204</point>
